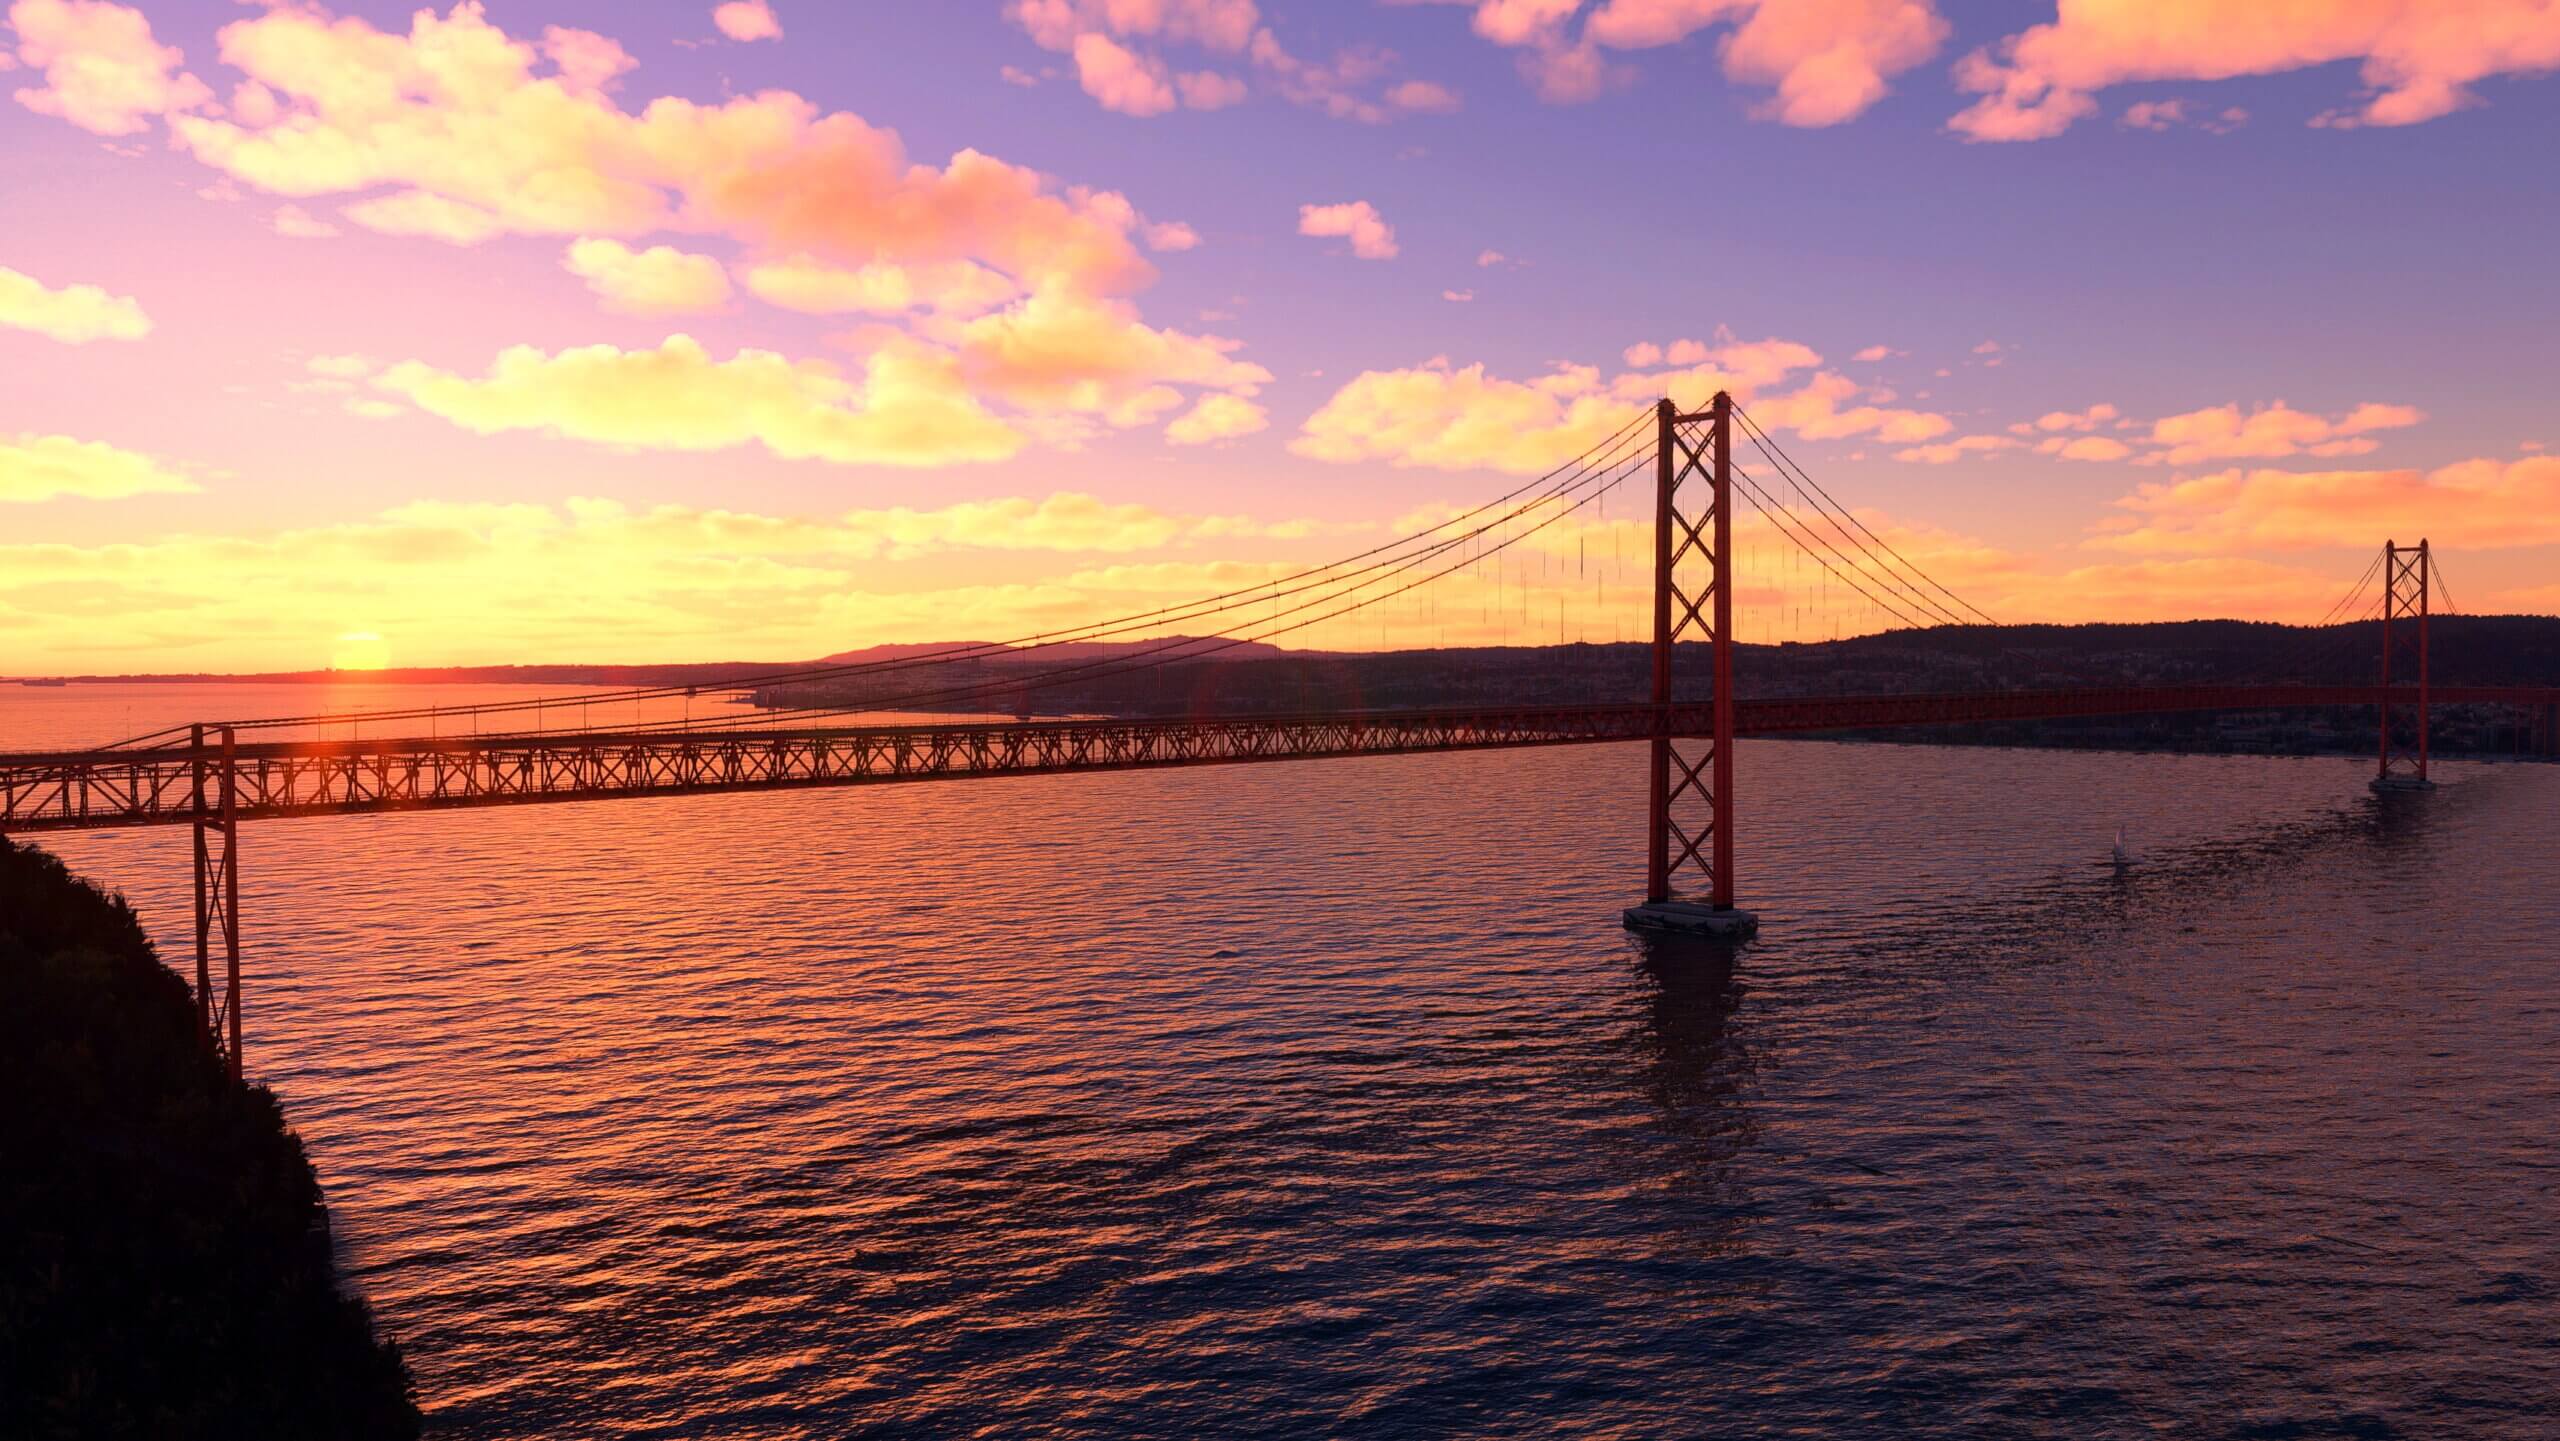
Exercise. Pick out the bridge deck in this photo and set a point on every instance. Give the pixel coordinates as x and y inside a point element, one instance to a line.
<point>89,790</point>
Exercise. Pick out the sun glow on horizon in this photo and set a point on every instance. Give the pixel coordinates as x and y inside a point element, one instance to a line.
<point>359,650</point>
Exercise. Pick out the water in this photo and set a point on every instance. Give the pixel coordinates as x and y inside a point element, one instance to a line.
<point>1329,1099</point>
<point>72,717</point>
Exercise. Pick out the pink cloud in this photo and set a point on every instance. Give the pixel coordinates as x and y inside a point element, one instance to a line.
<point>2420,57</point>
<point>2481,503</point>
<point>2084,447</point>
<point>1123,49</point>
<point>1447,417</point>
<point>586,62</point>
<point>2225,432</point>
<point>1001,290</point>
<point>1825,61</point>
<point>295,223</point>
<point>1371,237</point>
<point>1119,79</point>
<point>1950,451</point>
<point>2171,114</point>
<point>747,20</point>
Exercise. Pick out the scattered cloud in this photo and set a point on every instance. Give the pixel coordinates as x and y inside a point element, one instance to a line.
<point>1422,97</point>
<point>814,287</point>
<point>660,280</point>
<point>909,408</point>
<point>295,223</point>
<point>1371,237</point>
<point>1874,353</point>
<point>1120,79</point>
<point>1450,417</point>
<point>1016,75</point>
<point>1487,259</point>
<point>2420,58</point>
<point>2225,432</point>
<point>2477,504</point>
<point>1209,90</point>
<point>1460,296</point>
<point>1216,418</point>
<point>588,64</point>
<point>2173,114</point>
<point>747,20</point>
<point>1121,50</point>
<point>1950,451</point>
<point>103,71</point>
<point>425,213</point>
<point>2081,421</point>
<point>1823,61</point>
<point>456,131</point>
<point>74,315</point>
<point>2084,447</point>
<point>1061,353</point>
<point>43,467</point>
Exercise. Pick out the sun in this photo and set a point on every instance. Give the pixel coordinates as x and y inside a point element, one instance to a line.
<point>359,650</point>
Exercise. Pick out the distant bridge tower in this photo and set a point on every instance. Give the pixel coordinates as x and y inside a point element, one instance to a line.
<point>1689,811</point>
<point>2405,577</point>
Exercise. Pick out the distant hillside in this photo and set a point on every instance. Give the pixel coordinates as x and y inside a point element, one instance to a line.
<point>1167,646</point>
<point>2465,650</point>
<point>704,673</point>
<point>2474,650</point>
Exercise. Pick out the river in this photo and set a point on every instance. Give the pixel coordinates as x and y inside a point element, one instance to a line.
<point>1331,1099</point>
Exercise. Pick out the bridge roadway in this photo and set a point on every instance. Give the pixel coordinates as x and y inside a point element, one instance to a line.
<point>91,790</point>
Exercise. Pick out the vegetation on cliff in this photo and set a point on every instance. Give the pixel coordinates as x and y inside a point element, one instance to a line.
<point>165,1268</point>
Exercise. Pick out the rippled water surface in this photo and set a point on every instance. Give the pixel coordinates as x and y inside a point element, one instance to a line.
<point>1330,1099</point>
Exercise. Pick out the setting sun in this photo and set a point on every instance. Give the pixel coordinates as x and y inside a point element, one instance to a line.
<point>359,650</point>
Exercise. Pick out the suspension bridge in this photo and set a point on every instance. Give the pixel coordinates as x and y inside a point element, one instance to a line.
<point>216,776</point>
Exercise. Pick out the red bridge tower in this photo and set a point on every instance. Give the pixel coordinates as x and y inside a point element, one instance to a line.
<point>1690,796</point>
<point>2405,577</point>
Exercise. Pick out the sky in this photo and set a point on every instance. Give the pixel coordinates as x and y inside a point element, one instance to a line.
<point>561,330</point>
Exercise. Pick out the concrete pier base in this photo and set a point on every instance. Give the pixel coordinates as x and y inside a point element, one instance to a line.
<point>1692,918</point>
<point>2381,785</point>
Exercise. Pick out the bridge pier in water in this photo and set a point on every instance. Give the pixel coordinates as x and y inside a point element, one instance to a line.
<point>1695,450</point>
<point>2405,583</point>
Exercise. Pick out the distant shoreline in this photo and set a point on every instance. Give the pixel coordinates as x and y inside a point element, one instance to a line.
<point>721,673</point>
